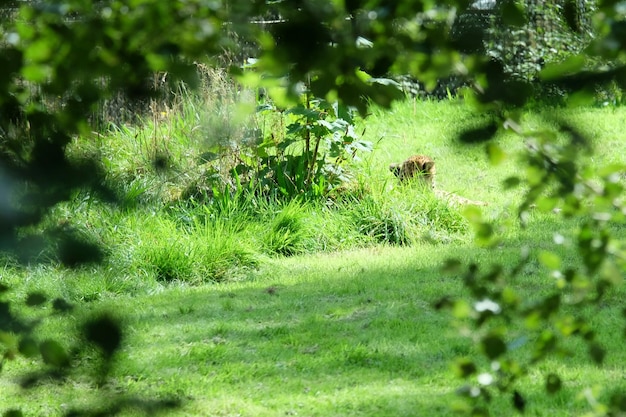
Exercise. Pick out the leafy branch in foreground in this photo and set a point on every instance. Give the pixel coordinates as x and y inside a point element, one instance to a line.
<point>513,334</point>
<point>57,61</point>
<point>90,351</point>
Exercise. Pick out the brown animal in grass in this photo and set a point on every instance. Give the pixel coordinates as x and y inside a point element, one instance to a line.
<point>417,166</point>
<point>422,167</point>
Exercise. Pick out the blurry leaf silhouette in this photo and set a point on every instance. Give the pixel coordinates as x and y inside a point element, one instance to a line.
<point>53,353</point>
<point>74,251</point>
<point>104,332</point>
<point>479,134</point>
<point>36,299</point>
<point>61,305</point>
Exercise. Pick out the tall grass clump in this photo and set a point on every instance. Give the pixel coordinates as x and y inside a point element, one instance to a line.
<point>169,260</point>
<point>375,218</point>
<point>439,220</point>
<point>200,249</point>
<point>332,229</point>
<point>406,215</point>
<point>287,229</point>
<point>221,251</point>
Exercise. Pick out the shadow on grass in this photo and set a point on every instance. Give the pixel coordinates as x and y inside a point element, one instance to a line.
<point>341,338</point>
<point>342,334</point>
<point>348,334</point>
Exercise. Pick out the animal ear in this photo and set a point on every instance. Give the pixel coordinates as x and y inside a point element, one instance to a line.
<point>428,166</point>
<point>395,168</point>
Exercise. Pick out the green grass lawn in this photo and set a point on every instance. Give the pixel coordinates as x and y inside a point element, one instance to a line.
<point>344,327</point>
<point>345,334</point>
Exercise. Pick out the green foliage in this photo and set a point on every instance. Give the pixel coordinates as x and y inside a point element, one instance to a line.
<point>59,59</point>
<point>308,158</point>
<point>300,150</point>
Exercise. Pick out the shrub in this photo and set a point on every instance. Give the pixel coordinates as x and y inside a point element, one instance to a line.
<point>280,153</point>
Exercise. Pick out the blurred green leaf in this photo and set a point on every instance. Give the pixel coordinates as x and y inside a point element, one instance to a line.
<point>553,383</point>
<point>443,302</point>
<point>545,343</point>
<point>493,346</point>
<point>473,214</point>
<point>479,134</point>
<point>461,309</point>
<point>7,339</point>
<point>582,97</point>
<point>534,176</point>
<point>557,70</point>
<point>75,251</point>
<point>612,170</point>
<point>495,153</point>
<point>550,260</point>
<point>28,347</point>
<point>510,296</point>
<point>546,203</point>
<point>36,73</point>
<point>39,51</point>
<point>464,367</point>
<point>53,353</point>
<point>484,233</point>
<point>618,401</point>
<point>105,332</point>
<point>597,353</point>
<point>511,182</point>
<point>550,304</point>
<point>513,14</point>
<point>36,299</point>
<point>451,266</point>
<point>61,305</point>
